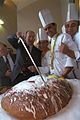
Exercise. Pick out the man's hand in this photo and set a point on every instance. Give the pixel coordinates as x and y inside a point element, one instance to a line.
<point>8,73</point>
<point>63,48</point>
<point>19,34</point>
<point>32,68</point>
<point>66,71</point>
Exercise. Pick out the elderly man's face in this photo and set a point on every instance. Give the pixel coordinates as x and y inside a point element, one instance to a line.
<point>71,27</point>
<point>30,38</point>
<point>3,50</point>
<point>51,30</point>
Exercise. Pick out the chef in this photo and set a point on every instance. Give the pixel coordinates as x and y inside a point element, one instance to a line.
<point>72,28</point>
<point>43,43</point>
<point>61,64</point>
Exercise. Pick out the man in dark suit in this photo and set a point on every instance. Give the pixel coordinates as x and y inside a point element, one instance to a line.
<point>24,68</point>
<point>6,66</point>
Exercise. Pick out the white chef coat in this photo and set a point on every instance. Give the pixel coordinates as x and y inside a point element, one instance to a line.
<point>45,62</point>
<point>61,60</point>
<point>76,39</point>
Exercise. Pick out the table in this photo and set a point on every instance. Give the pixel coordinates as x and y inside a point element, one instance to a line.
<point>70,112</point>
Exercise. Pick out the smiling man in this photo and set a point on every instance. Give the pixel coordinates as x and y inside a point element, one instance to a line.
<point>72,27</point>
<point>61,65</point>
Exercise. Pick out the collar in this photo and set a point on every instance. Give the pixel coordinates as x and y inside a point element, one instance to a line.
<point>55,35</point>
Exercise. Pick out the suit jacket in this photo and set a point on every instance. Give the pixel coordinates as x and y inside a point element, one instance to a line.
<point>22,58</point>
<point>4,81</point>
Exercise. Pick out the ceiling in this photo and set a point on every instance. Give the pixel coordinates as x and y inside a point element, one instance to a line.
<point>22,3</point>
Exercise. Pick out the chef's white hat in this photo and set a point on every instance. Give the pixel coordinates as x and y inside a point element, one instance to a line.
<point>41,35</point>
<point>45,17</point>
<point>72,13</point>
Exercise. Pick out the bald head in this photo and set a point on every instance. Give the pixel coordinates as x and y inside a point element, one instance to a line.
<point>30,37</point>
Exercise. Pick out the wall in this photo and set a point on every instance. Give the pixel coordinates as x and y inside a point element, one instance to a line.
<point>27,18</point>
<point>64,5</point>
<point>8,13</point>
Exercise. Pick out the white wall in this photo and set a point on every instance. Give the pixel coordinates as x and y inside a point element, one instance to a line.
<point>8,12</point>
<point>27,18</point>
<point>64,5</point>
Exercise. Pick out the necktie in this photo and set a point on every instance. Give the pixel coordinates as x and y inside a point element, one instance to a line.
<point>7,62</point>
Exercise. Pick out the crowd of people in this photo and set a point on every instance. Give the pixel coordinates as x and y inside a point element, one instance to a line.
<point>59,56</point>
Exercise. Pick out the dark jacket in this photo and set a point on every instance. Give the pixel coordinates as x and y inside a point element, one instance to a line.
<point>22,58</point>
<point>4,81</point>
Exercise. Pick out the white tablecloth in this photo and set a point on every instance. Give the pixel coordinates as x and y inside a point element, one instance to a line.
<point>70,112</point>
